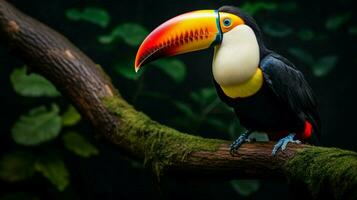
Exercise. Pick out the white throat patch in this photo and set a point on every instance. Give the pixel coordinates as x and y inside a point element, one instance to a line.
<point>236,59</point>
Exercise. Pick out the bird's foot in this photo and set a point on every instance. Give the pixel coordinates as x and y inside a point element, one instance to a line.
<point>283,142</point>
<point>238,142</point>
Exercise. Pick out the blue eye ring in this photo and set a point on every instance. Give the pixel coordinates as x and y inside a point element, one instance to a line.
<point>227,22</point>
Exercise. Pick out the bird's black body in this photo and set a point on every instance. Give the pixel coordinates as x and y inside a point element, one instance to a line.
<point>285,101</point>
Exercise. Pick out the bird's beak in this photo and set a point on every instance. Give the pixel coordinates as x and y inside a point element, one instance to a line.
<point>185,33</point>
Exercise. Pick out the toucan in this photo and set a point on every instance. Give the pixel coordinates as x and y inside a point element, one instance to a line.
<point>267,92</point>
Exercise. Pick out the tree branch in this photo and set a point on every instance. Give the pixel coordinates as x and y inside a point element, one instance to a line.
<point>320,171</point>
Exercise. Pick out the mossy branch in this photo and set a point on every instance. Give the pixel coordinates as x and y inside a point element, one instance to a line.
<point>322,172</point>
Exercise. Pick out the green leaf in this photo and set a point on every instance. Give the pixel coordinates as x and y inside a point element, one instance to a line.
<point>306,34</point>
<point>185,109</point>
<point>288,6</point>
<point>32,85</point>
<point>79,145</point>
<point>54,169</point>
<point>324,65</point>
<point>253,8</point>
<point>204,96</point>
<point>16,166</point>
<point>71,117</point>
<point>277,29</point>
<point>302,55</point>
<point>208,93</point>
<point>335,22</point>
<point>174,68</point>
<point>127,70</point>
<point>196,97</point>
<point>74,14</point>
<point>38,126</point>
<point>131,33</point>
<point>245,187</point>
<point>224,108</point>
<point>93,15</point>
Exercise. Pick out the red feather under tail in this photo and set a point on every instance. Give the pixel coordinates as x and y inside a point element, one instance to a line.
<point>305,134</point>
<point>307,130</point>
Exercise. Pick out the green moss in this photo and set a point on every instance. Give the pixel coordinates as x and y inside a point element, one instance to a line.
<point>160,144</point>
<point>325,171</point>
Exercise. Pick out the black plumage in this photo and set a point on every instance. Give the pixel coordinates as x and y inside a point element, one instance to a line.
<point>285,101</point>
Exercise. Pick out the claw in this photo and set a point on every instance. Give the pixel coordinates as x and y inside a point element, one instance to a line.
<point>238,142</point>
<point>282,143</point>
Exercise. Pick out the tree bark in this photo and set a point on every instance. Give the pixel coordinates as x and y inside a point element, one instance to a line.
<point>322,172</point>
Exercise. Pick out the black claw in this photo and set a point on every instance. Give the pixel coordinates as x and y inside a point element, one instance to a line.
<point>232,152</point>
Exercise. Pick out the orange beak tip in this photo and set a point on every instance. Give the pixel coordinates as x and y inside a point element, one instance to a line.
<point>185,33</point>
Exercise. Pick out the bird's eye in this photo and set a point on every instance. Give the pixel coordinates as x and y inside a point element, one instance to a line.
<point>227,22</point>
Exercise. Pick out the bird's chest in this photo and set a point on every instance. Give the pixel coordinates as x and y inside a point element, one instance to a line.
<point>262,111</point>
<point>235,62</point>
<point>245,89</point>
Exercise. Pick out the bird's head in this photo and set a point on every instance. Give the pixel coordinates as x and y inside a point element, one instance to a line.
<point>233,33</point>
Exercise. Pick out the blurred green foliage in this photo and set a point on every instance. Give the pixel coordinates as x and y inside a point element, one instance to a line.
<point>70,117</point>
<point>320,67</point>
<point>125,69</point>
<point>32,85</point>
<point>335,22</point>
<point>91,14</point>
<point>17,166</point>
<point>53,168</point>
<point>79,145</point>
<point>306,34</point>
<point>254,7</point>
<point>131,33</point>
<point>276,29</point>
<point>173,68</point>
<point>37,128</point>
<point>245,187</point>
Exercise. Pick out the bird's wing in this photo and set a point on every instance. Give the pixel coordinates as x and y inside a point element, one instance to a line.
<point>290,86</point>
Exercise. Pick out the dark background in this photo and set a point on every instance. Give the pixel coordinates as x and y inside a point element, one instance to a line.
<point>111,175</point>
